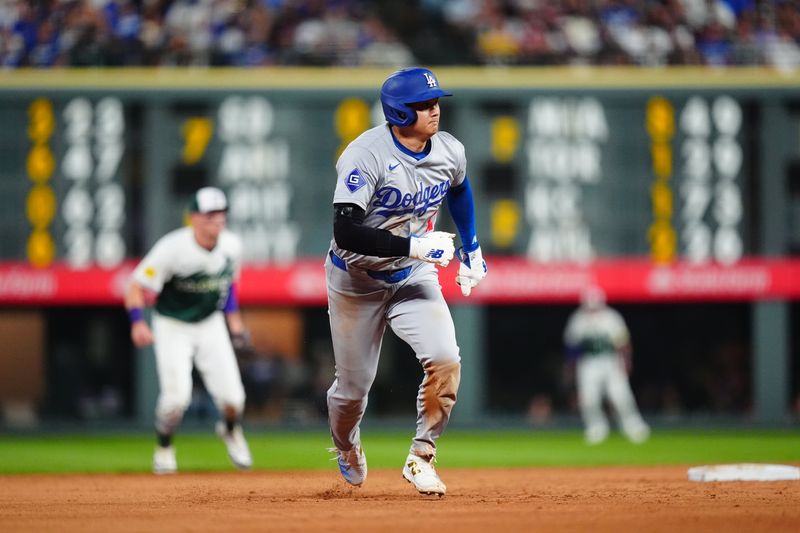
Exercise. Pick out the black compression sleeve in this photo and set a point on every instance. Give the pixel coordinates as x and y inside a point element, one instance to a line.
<point>350,234</point>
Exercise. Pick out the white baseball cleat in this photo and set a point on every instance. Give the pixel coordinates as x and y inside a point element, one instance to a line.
<point>421,473</point>
<point>352,464</point>
<point>164,461</point>
<point>638,434</point>
<point>595,434</point>
<point>238,451</point>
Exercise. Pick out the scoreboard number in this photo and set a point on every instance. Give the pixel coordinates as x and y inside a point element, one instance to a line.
<point>93,209</point>
<point>712,162</point>
<point>40,205</point>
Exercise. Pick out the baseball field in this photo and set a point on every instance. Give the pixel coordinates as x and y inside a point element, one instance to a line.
<point>505,480</point>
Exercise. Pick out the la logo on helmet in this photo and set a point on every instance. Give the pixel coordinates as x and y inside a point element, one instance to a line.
<point>431,79</point>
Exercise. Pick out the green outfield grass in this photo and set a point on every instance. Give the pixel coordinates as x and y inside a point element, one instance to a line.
<point>307,450</point>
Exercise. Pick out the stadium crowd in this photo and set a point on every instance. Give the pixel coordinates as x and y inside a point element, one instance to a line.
<point>46,33</point>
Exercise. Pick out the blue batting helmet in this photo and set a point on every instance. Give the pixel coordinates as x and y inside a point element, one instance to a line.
<point>408,86</point>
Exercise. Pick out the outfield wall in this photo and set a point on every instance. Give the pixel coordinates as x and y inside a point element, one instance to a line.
<point>674,189</point>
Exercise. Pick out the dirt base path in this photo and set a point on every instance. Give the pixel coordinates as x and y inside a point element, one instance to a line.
<point>496,500</point>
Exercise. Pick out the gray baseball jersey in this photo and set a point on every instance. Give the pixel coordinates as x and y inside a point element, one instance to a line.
<point>398,192</point>
<point>401,194</point>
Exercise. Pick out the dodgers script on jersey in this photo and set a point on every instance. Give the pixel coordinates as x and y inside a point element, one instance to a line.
<point>398,192</point>
<point>191,282</point>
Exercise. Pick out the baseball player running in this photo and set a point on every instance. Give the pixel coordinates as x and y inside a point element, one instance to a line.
<point>191,273</point>
<point>598,343</point>
<point>381,268</point>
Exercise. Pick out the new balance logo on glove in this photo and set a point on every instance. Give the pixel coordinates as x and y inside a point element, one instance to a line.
<point>434,247</point>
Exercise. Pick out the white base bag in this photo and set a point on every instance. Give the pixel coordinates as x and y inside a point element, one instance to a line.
<point>744,472</point>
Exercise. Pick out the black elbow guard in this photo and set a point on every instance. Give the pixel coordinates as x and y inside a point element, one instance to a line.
<point>347,220</point>
<point>348,213</point>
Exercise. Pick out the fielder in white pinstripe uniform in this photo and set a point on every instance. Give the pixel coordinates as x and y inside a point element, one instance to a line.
<point>381,268</point>
<point>598,344</point>
<point>191,274</point>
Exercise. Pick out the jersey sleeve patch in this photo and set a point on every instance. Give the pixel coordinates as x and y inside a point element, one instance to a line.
<point>355,180</point>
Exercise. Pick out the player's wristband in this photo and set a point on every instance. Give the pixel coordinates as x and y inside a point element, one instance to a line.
<point>135,314</point>
<point>232,303</point>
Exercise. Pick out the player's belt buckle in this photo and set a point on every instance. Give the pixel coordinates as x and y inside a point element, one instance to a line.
<point>390,276</point>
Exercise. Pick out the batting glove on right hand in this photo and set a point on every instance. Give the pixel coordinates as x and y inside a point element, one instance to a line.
<point>435,247</point>
<point>471,270</point>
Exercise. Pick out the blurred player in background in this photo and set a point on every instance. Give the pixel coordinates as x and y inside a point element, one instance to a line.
<point>598,347</point>
<point>191,274</point>
<point>381,268</point>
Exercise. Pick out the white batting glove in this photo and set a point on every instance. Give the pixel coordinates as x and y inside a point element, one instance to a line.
<point>471,270</point>
<point>435,247</point>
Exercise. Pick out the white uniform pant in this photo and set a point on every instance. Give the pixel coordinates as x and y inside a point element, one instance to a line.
<point>205,344</point>
<point>604,376</point>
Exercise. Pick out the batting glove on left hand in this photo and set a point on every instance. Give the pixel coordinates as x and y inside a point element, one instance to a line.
<point>471,270</point>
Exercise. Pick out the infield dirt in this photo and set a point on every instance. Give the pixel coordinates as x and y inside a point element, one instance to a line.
<point>498,500</point>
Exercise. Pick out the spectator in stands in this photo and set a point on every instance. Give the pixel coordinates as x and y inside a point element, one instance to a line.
<point>44,33</point>
<point>381,47</point>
